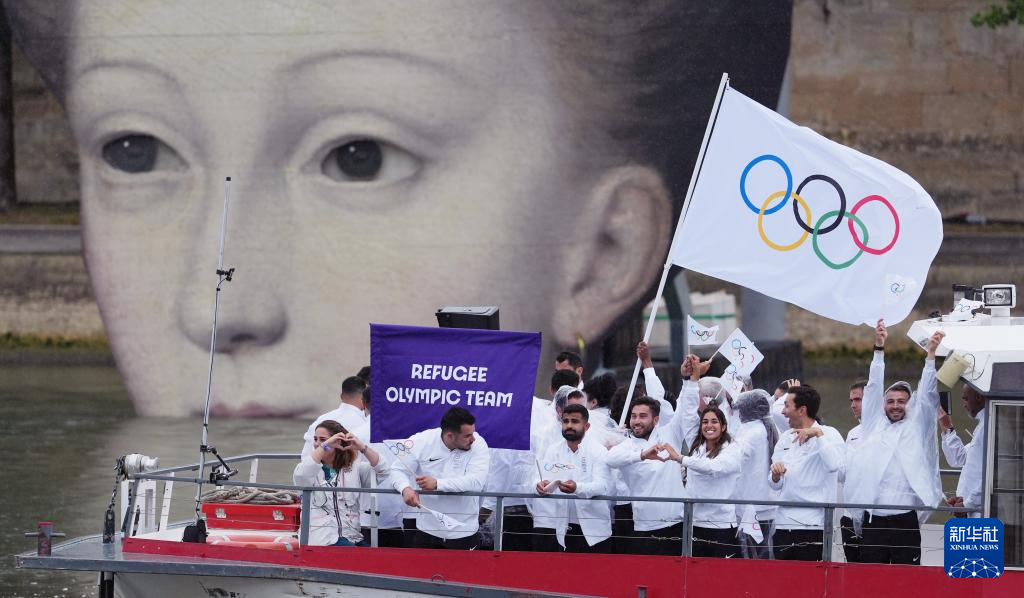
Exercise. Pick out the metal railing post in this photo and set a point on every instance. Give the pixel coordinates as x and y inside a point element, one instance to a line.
<point>687,528</point>
<point>827,534</point>
<point>254,470</point>
<point>307,498</point>
<point>374,522</point>
<point>165,507</point>
<point>499,521</point>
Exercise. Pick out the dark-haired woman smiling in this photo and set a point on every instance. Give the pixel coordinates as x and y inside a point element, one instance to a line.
<point>711,471</point>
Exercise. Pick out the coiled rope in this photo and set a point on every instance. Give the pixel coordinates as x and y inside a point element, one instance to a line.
<point>254,496</point>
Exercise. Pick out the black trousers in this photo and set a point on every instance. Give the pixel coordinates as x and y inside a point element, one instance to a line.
<point>667,541</point>
<point>715,542</point>
<point>894,539</point>
<point>623,541</point>
<point>425,540</point>
<point>851,541</point>
<point>545,540</point>
<point>798,544</point>
<point>517,529</point>
<point>391,538</point>
<point>397,537</point>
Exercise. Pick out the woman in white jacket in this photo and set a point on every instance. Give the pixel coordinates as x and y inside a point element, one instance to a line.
<point>711,470</point>
<point>335,462</point>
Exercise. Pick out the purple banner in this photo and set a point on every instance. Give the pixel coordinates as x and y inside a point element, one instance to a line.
<point>416,374</point>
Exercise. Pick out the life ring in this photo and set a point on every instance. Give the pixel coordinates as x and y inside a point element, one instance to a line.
<point>257,541</point>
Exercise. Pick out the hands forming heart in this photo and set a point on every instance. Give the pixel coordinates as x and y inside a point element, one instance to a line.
<point>661,452</point>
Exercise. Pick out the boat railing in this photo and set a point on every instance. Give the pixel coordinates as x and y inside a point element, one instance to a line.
<point>167,475</point>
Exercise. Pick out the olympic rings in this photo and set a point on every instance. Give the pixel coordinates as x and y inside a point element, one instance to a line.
<point>760,222</point>
<point>402,446</point>
<point>738,347</point>
<point>785,169</point>
<point>895,217</point>
<point>703,334</point>
<point>842,204</point>
<point>558,466</point>
<point>819,228</point>
<point>817,250</point>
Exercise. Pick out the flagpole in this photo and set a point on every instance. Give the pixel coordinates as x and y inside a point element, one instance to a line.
<point>668,261</point>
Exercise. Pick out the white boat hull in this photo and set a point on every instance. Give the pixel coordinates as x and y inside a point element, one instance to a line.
<point>149,585</point>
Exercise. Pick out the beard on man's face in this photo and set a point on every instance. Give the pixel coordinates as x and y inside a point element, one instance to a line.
<point>642,430</point>
<point>571,434</point>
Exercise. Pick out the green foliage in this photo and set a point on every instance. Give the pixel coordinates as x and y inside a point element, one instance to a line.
<point>998,16</point>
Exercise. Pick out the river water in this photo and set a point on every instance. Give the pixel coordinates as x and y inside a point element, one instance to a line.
<point>62,428</point>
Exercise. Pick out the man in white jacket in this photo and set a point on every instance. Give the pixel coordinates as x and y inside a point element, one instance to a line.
<point>970,457</point>
<point>896,461</point>
<point>657,527</point>
<point>849,536</point>
<point>575,468</point>
<point>805,468</point>
<point>452,458</point>
<point>545,424</point>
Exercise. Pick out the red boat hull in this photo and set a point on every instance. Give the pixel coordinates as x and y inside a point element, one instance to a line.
<point>614,575</point>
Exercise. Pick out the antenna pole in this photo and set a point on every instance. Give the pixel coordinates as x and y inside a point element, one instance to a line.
<point>204,448</point>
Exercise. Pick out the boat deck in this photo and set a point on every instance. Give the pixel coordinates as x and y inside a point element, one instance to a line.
<point>90,554</point>
<point>416,572</point>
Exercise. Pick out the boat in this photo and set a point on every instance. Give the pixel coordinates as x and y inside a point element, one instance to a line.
<point>246,557</point>
<point>267,553</point>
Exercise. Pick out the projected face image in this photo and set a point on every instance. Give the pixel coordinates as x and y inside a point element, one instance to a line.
<point>379,174</point>
<point>388,158</point>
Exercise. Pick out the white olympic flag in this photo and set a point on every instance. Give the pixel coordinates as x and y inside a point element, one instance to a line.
<point>741,353</point>
<point>807,220</point>
<point>699,334</point>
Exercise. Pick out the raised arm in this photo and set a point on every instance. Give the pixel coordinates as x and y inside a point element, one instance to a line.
<point>925,407</point>
<point>370,455</point>
<point>655,389</point>
<point>685,423</point>
<point>873,408</point>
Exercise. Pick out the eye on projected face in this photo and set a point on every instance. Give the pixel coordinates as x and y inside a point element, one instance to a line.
<point>139,153</point>
<point>359,160</point>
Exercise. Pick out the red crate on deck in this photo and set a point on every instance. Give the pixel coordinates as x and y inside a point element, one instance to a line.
<point>221,515</point>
